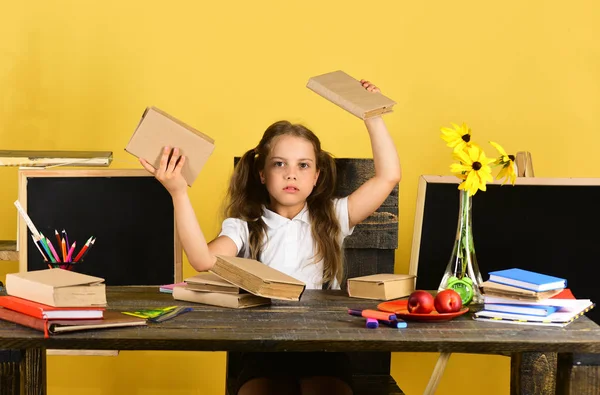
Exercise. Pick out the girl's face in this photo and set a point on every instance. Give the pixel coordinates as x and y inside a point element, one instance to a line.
<point>290,172</point>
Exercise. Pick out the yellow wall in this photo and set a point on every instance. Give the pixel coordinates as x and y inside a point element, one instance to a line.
<point>77,75</point>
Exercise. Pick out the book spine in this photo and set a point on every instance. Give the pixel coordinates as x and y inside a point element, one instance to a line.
<point>334,98</point>
<point>25,320</point>
<point>13,304</point>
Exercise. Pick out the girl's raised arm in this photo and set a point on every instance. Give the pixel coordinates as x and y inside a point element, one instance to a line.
<point>199,253</point>
<point>370,195</point>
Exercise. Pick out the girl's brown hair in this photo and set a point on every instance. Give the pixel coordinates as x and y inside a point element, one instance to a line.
<point>246,196</point>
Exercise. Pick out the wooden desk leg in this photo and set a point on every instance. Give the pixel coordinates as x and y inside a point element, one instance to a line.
<point>578,375</point>
<point>33,371</point>
<point>438,371</point>
<point>533,373</point>
<point>10,361</point>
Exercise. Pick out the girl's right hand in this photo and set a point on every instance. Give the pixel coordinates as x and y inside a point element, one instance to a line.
<point>169,171</point>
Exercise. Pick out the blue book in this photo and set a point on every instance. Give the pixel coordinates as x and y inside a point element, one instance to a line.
<point>527,280</point>
<point>537,310</point>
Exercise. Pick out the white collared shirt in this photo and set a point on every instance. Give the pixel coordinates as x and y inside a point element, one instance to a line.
<point>289,247</point>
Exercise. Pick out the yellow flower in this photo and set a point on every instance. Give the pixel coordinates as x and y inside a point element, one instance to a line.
<point>473,168</point>
<point>458,138</point>
<point>508,171</point>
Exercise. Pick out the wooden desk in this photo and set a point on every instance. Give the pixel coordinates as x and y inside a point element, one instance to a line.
<point>319,322</point>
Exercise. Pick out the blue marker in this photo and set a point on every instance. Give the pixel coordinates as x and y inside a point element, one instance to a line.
<point>394,324</point>
<point>372,323</point>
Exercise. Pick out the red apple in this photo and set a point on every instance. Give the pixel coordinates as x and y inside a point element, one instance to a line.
<point>420,302</point>
<point>447,301</point>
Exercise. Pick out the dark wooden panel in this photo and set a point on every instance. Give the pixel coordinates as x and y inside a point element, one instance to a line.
<point>10,364</point>
<point>533,373</point>
<point>33,369</point>
<point>578,374</point>
<point>362,262</point>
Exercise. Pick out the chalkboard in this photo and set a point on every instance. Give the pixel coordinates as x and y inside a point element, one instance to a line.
<point>548,225</point>
<point>128,212</point>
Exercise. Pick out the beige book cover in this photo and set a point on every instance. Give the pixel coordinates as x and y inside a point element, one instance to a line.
<point>497,289</point>
<point>210,282</point>
<point>234,301</point>
<point>57,287</point>
<point>348,93</point>
<point>384,286</point>
<point>157,130</point>
<point>55,158</point>
<point>258,278</point>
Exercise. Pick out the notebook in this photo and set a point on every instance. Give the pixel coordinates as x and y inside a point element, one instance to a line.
<point>349,94</point>
<point>527,279</point>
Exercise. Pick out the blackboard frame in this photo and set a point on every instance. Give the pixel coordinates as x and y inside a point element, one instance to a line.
<point>26,174</point>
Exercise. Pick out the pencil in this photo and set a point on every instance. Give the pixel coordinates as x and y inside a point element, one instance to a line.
<point>38,247</point>
<point>46,248</point>
<point>88,249</point>
<point>53,250</point>
<point>70,254</point>
<point>57,238</point>
<point>63,247</point>
<point>83,249</point>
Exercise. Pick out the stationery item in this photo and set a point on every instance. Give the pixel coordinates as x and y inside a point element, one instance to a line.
<point>258,278</point>
<point>508,291</point>
<point>57,287</point>
<point>560,318</point>
<point>63,248</point>
<point>150,313</point>
<point>158,130</point>
<point>234,301</point>
<point>378,315</point>
<point>372,323</point>
<point>43,311</point>
<point>54,158</point>
<point>54,253</point>
<point>37,244</point>
<point>169,287</point>
<point>64,236</point>
<point>87,250</point>
<point>565,300</point>
<point>382,286</point>
<point>398,323</point>
<point>47,249</point>
<point>210,282</point>
<point>83,250</point>
<point>70,254</point>
<point>171,314</point>
<point>58,239</point>
<point>527,279</point>
<point>539,310</point>
<point>112,319</point>
<point>28,221</point>
<point>349,94</point>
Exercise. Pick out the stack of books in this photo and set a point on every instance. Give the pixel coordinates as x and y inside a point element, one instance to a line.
<point>520,296</point>
<point>239,283</point>
<point>59,301</point>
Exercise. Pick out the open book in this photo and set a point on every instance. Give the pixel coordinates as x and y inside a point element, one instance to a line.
<point>258,278</point>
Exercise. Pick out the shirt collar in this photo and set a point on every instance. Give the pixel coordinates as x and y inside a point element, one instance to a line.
<point>274,220</point>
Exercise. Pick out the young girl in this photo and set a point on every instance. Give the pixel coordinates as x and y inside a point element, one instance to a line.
<point>281,211</point>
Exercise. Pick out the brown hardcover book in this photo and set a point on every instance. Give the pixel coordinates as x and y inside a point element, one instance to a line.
<point>508,291</point>
<point>112,319</point>
<point>348,93</point>
<point>55,158</point>
<point>234,301</point>
<point>209,282</point>
<point>57,288</point>
<point>258,278</point>
<point>157,129</point>
<point>382,286</point>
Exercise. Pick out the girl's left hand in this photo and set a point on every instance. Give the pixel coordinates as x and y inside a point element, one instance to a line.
<point>369,86</point>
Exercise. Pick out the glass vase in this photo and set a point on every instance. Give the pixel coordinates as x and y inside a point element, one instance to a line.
<point>462,272</point>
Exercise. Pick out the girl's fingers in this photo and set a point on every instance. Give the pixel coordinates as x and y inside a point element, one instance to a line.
<point>179,164</point>
<point>147,166</point>
<point>173,160</point>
